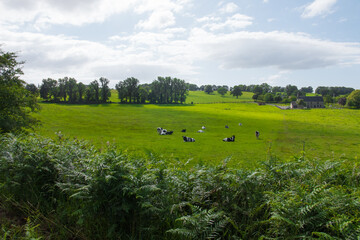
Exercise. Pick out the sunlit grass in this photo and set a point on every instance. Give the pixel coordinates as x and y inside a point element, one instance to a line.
<point>324,133</point>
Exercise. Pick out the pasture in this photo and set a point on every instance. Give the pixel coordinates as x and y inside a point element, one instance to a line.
<point>324,133</point>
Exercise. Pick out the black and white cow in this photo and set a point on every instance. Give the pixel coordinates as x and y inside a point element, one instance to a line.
<point>257,134</point>
<point>203,127</point>
<point>162,131</point>
<point>231,139</point>
<point>188,139</point>
<point>200,131</point>
<point>240,124</point>
<point>184,130</point>
<point>226,126</point>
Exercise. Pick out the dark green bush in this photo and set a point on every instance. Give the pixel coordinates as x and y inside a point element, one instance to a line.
<point>111,195</point>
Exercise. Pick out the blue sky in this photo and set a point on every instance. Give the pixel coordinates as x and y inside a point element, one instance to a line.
<point>280,42</point>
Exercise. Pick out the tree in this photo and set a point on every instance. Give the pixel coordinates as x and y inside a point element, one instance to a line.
<point>33,89</point>
<point>342,101</point>
<point>308,89</point>
<point>71,89</point>
<point>105,90</point>
<point>353,100</point>
<point>236,91</point>
<point>291,90</point>
<point>49,89</point>
<point>16,102</point>
<point>268,97</point>
<point>62,83</point>
<point>81,89</point>
<point>222,91</point>
<point>208,89</point>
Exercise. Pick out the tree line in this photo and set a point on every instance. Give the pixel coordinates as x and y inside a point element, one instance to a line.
<point>164,90</point>
<point>69,90</point>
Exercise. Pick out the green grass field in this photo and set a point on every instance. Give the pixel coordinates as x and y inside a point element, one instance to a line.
<point>325,133</point>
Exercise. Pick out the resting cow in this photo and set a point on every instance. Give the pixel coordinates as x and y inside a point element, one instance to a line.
<point>188,139</point>
<point>184,130</point>
<point>231,139</point>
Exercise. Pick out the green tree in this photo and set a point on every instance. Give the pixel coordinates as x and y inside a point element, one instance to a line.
<point>81,90</point>
<point>208,89</point>
<point>222,91</point>
<point>62,83</point>
<point>49,89</point>
<point>353,100</point>
<point>268,97</point>
<point>236,91</point>
<point>33,89</point>
<point>105,90</point>
<point>16,102</point>
<point>71,89</point>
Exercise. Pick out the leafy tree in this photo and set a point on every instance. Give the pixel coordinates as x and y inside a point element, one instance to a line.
<point>342,101</point>
<point>192,87</point>
<point>105,90</point>
<point>92,92</point>
<point>291,90</point>
<point>328,99</point>
<point>16,102</point>
<point>81,89</point>
<point>49,89</point>
<point>307,89</point>
<point>208,89</point>
<point>62,83</point>
<point>277,98</point>
<point>268,97</point>
<point>33,89</point>
<point>71,89</point>
<point>222,91</point>
<point>353,100</point>
<point>236,91</point>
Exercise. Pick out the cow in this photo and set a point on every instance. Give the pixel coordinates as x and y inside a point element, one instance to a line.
<point>226,126</point>
<point>188,139</point>
<point>159,130</point>
<point>169,132</point>
<point>203,127</point>
<point>200,131</point>
<point>184,130</point>
<point>231,139</point>
<point>257,134</point>
<point>240,124</point>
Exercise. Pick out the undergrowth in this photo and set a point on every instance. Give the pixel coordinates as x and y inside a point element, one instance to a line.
<point>70,190</point>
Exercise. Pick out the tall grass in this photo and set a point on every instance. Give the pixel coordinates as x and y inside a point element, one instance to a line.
<point>86,194</point>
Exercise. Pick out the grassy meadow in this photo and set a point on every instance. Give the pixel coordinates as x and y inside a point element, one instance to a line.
<point>324,133</point>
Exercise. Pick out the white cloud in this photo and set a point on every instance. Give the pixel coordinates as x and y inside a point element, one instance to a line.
<point>229,8</point>
<point>41,13</point>
<point>266,1</point>
<point>158,19</point>
<point>236,21</point>
<point>287,51</point>
<point>319,8</point>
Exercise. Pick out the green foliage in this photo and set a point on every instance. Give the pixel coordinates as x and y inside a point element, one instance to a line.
<point>222,91</point>
<point>236,91</point>
<point>111,195</point>
<point>353,100</point>
<point>16,102</point>
<point>208,89</point>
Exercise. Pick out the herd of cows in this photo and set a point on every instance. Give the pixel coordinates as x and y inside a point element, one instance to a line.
<point>162,131</point>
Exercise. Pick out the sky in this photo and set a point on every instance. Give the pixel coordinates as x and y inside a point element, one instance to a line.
<point>279,42</point>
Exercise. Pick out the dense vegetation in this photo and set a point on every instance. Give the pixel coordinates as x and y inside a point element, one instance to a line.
<point>75,191</point>
<point>16,101</point>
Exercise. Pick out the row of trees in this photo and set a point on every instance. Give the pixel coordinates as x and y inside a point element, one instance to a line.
<point>163,90</point>
<point>69,90</point>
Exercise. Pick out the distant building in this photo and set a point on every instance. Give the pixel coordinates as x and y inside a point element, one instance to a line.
<point>310,102</point>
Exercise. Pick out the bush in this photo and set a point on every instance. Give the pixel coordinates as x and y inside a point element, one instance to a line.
<point>111,195</point>
<point>353,100</point>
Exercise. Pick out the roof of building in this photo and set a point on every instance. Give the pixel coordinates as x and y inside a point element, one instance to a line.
<point>312,99</point>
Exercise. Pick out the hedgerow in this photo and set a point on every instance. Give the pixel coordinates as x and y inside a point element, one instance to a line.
<point>81,192</point>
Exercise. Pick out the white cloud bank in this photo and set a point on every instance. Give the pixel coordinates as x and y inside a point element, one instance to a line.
<point>319,8</point>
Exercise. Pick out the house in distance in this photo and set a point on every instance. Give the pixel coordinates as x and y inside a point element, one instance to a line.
<point>308,102</point>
